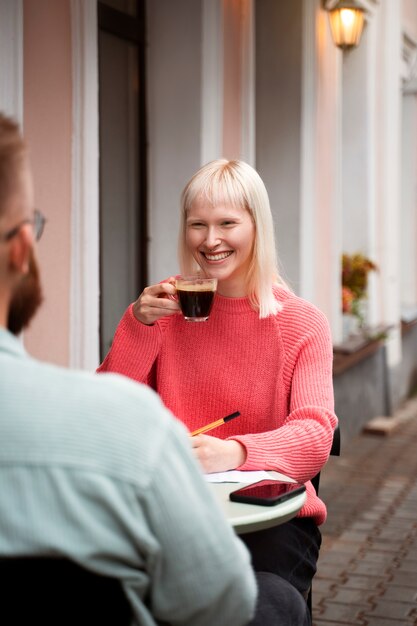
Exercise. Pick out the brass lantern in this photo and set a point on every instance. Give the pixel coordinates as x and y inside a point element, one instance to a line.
<point>346,23</point>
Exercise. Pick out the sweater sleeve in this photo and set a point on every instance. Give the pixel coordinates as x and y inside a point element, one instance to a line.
<point>301,446</point>
<point>134,349</point>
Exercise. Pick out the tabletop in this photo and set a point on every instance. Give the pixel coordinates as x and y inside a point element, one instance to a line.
<point>250,517</point>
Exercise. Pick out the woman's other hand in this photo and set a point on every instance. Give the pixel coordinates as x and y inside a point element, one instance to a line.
<point>217,455</point>
<point>155,302</point>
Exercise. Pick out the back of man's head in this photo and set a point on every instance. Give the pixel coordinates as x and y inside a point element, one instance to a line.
<point>20,288</point>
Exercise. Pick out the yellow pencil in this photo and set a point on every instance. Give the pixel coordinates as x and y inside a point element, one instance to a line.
<point>219,422</point>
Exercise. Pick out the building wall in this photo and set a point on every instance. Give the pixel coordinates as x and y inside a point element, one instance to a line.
<point>278,122</point>
<point>196,49</point>
<point>409,12</point>
<point>320,244</point>
<point>48,128</point>
<point>362,393</point>
<point>232,85</point>
<point>174,119</point>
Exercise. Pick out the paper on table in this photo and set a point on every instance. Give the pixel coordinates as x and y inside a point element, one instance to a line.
<point>237,476</point>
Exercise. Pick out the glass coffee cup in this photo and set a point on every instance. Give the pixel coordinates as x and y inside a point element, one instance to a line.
<point>195,296</point>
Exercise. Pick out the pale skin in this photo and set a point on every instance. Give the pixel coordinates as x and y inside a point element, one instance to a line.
<point>221,239</point>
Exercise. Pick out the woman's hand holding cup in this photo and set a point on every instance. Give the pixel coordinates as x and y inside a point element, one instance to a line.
<point>156,301</point>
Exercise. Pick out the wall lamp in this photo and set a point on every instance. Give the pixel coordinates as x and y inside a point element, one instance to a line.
<point>346,23</point>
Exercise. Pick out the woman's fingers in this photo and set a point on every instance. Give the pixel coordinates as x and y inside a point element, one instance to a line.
<point>217,455</point>
<point>155,301</point>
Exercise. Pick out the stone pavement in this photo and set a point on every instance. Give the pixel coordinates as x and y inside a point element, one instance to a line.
<point>367,570</point>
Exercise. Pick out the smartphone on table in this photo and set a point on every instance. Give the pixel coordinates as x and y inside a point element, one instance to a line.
<point>267,492</point>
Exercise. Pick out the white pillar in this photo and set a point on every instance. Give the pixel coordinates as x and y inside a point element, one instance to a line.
<point>408,259</point>
<point>84,294</point>
<point>320,190</point>
<point>359,102</point>
<point>388,177</point>
<point>248,83</point>
<point>211,81</point>
<point>11,55</point>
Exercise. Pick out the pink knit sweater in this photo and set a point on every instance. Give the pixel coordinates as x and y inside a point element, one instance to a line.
<point>276,371</point>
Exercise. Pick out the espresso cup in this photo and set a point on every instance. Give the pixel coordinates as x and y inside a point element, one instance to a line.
<point>195,296</point>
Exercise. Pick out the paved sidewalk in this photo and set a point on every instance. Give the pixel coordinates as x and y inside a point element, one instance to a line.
<point>367,571</point>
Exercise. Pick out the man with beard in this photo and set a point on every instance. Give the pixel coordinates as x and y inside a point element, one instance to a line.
<point>94,468</point>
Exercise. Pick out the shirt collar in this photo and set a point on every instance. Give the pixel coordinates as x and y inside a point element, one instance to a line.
<point>10,343</point>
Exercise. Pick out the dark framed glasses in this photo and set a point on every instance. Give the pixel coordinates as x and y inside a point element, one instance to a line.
<point>38,222</point>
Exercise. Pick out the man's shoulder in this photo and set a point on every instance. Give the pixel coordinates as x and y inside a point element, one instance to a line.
<point>118,399</point>
<point>103,423</point>
<point>103,389</point>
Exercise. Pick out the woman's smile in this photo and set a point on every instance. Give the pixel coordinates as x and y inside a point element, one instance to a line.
<point>221,239</point>
<point>213,257</point>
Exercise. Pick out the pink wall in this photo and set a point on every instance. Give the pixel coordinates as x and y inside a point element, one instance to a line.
<point>48,127</point>
<point>410,16</point>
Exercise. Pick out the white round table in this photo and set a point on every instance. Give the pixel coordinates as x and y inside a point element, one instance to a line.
<point>250,517</point>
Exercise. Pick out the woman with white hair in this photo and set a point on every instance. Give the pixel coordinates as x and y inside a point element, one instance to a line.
<point>264,352</point>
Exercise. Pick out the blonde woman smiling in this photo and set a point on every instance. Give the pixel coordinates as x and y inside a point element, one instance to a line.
<point>264,352</point>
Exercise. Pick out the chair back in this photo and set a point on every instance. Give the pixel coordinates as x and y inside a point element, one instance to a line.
<point>334,451</point>
<point>58,592</point>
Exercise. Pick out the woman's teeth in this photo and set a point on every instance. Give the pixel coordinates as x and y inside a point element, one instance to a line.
<point>217,257</point>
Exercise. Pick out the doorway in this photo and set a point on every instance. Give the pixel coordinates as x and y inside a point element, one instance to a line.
<point>122,168</point>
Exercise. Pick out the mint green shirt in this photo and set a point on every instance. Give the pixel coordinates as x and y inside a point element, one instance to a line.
<point>93,467</point>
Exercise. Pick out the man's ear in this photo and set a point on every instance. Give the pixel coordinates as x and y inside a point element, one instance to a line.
<point>20,248</point>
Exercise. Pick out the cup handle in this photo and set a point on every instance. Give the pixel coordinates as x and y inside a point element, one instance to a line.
<point>170,296</point>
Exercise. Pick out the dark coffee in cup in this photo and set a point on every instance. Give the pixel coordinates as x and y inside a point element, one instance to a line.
<point>195,297</point>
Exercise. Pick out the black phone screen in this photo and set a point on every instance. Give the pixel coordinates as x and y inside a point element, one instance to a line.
<point>267,492</point>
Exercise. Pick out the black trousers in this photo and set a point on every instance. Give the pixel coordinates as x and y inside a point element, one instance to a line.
<point>279,603</point>
<point>289,552</point>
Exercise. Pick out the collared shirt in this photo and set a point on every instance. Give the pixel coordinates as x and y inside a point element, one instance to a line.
<point>97,469</point>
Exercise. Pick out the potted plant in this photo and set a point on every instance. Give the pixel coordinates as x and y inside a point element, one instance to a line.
<point>355,270</point>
